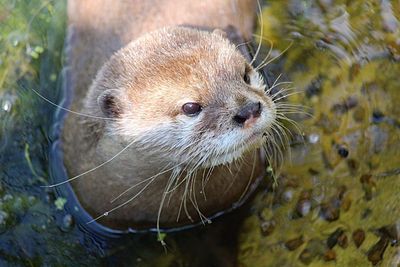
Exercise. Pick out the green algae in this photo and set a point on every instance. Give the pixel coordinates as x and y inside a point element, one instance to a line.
<point>344,59</point>
<point>349,79</point>
<point>31,45</point>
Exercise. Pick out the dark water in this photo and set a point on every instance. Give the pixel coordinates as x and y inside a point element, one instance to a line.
<point>336,197</point>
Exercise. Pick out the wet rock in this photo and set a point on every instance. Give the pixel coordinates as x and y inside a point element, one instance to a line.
<point>50,196</point>
<point>314,88</point>
<point>294,243</point>
<point>67,223</point>
<point>328,125</point>
<point>375,254</point>
<point>313,172</point>
<point>346,203</point>
<point>329,212</point>
<point>391,232</point>
<point>377,116</point>
<point>3,221</point>
<point>287,196</point>
<point>313,138</point>
<point>267,227</point>
<point>306,256</point>
<point>379,137</point>
<point>315,248</point>
<point>353,165</point>
<point>342,151</point>
<point>334,237</point>
<point>303,205</point>
<point>343,241</point>
<point>368,185</point>
<point>341,190</point>
<point>329,255</point>
<point>358,237</point>
<point>345,106</point>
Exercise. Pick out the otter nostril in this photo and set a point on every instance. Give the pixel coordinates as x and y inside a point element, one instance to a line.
<point>248,111</point>
<point>239,119</point>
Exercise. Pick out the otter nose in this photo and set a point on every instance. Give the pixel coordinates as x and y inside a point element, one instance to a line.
<point>251,110</point>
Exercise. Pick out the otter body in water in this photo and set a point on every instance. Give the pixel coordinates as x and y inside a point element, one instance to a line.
<point>172,122</point>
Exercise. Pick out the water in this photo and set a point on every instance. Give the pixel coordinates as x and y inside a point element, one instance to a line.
<point>341,182</point>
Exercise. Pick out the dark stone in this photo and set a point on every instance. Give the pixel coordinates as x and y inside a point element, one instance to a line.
<point>67,223</point>
<point>343,241</point>
<point>303,205</point>
<point>267,227</point>
<point>329,212</point>
<point>314,88</point>
<point>375,254</point>
<point>353,165</point>
<point>333,238</point>
<point>377,116</point>
<point>306,256</point>
<point>345,106</point>
<point>330,255</point>
<point>391,232</point>
<point>343,152</point>
<point>358,237</point>
<point>368,185</point>
<point>294,243</point>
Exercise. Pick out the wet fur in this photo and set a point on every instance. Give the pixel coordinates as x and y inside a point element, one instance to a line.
<point>143,90</point>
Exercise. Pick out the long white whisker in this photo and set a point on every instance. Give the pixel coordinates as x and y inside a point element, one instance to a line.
<point>93,169</point>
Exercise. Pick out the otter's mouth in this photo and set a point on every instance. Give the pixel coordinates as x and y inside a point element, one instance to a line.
<point>235,152</point>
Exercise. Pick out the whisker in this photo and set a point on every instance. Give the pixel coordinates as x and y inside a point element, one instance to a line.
<point>263,64</point>
<point>71,111</point>
<point>93,169</point>
<point>261,21</point>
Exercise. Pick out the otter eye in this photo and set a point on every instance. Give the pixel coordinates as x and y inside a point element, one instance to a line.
<point>246,78</point>
<point>191,109</point>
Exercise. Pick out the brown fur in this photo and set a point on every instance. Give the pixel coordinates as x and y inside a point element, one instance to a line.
<point>146,76</point>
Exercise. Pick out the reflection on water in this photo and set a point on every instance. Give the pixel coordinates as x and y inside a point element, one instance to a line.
<point>335,202</point>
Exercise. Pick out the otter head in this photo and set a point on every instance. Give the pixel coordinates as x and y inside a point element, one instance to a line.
<point>187,96</point>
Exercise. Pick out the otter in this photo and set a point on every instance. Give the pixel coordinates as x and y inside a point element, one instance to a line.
<point>169,115</point>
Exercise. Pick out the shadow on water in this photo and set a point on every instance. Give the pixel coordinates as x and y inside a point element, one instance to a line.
<point>336,202</point>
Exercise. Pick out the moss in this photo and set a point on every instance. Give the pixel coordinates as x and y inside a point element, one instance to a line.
<point>339,54</point>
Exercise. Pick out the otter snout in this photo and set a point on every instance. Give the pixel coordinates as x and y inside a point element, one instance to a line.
<point>250,111</point>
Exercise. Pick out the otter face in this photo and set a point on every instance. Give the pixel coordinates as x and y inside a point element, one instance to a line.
<point>192,99</point>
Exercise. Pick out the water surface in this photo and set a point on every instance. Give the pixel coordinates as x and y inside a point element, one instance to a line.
<point>335,200</point>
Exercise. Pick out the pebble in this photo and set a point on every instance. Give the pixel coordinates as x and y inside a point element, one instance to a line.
<point>313,138</point>
<point>358,237</point>
<point>303,206</point>
<point>334,237</point>
<point>329,212</point>
<point>267,227</point>
<point>375,254</point>
<point>67,223</point>
<point>345,106</point>
<point>294,243</point>
<point>306,256</point>
<point>392,232</point>
<point>315,248</point>
<point>343,241</point>
<point>330,255</point>
<point>343,151</point>
<point>377,116</point>
<point>368,185</point>
<point>3,221</point>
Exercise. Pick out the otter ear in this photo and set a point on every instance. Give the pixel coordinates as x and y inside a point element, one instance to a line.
<point>110,103</point>
<point>220,33</point>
